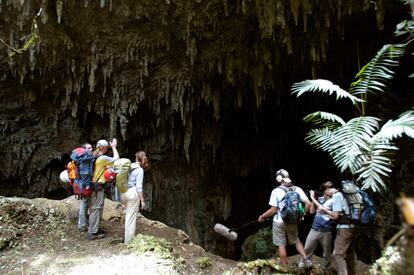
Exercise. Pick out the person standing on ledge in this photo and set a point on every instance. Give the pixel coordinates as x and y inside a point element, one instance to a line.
<point>134,197</point>
<point>84,202</point>
<point>280,228</point>
<point>97,195</point>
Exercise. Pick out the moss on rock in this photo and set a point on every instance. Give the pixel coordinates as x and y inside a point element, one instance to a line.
<point>145,243</point>
<point>204,262</point>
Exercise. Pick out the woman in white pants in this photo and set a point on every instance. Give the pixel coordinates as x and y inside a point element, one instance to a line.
<point>134,197</point>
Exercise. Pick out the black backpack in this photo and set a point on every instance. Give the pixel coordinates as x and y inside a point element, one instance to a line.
<point>293,211</point>
<point>361,205</point>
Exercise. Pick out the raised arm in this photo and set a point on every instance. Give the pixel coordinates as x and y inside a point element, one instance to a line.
<point>114,143</point>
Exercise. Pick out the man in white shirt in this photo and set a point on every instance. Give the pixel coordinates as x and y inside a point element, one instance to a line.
<point>280,228</point>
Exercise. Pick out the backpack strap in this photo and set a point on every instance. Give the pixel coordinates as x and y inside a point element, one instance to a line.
<point>286,189</point>
<point>343,217</point>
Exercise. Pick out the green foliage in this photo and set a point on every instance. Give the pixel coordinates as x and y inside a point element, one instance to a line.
<point>322,86</point>
<point>373,77</point>
<point>159,246</point>
<point>360,145</point>
<point>204,262</point>
<point>261,266</point>
<point>324,119</point>
<point>386,264</point>
<point>259,245</point>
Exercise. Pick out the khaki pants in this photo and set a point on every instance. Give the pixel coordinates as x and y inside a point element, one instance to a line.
<point>95,210</point>
<point>319,237</point>
<point>344,251</point>
<point>131,200</point>
<point>83,213</point>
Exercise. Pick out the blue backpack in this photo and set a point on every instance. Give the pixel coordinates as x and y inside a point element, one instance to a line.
<point>84,161</point>
<point>293,211</point>
<point>361,205</point>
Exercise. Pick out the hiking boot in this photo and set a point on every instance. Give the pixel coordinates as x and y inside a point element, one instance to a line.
<point>95,236</point>
<point>83,229</point>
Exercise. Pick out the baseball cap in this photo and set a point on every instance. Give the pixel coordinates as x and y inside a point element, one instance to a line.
<point>283,175</point>
<point>102,143</point>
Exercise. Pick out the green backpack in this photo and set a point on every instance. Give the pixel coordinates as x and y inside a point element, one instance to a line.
<point>122,167</point>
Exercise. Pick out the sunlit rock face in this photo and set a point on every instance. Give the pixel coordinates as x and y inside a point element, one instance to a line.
<point>201,86</point>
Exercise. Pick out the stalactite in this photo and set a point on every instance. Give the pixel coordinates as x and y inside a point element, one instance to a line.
<point>306,10</point>
<point>379,11</point>
<point>187,137</point>
<point>191,49</point>
<point>59,10</point>
<point>295,7</point>
<point>226,7</point>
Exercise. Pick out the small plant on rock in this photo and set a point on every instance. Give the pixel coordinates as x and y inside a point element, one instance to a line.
<point>204,262</point>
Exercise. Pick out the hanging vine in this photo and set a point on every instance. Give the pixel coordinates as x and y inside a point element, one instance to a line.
<point>30,40</point>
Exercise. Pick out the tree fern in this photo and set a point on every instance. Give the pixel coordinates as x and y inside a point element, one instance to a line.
<point>360,146</point>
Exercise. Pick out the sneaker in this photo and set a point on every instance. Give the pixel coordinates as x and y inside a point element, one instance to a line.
<point>95,236</point>
<point>305,263</point>
<point>301,263</point>
<point>308,264</point>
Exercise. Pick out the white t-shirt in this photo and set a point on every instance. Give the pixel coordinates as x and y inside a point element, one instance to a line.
<point>276,200</point>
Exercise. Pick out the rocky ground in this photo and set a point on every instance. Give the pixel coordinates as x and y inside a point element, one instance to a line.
<point>40,237</point>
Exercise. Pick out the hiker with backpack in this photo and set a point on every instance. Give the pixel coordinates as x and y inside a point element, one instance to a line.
<point>323,223</point>
<point>344,245</point>
<point>97,196</point>
<point>133,198</point>
<point>286,207</point>
<point>351,207</point>
<point>84,201</point>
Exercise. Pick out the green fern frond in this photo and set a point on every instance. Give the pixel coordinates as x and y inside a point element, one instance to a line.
<point>319,138</point>
<point>324,119</point>
<point>376,164</point>
<point>405,27</point>
<point>396,128</point>
<point>350,140</point>
<point>374,76</point>
<point>371,173</point>
<point>322,86</point>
